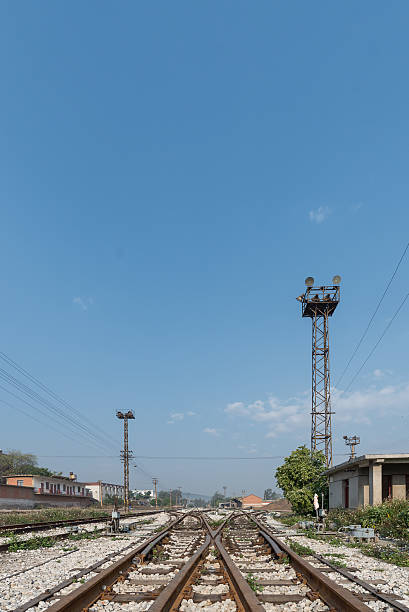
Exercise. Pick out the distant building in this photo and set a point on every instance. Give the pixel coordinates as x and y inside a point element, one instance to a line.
<point>253,501</point>
<point>100,490</point>
<point>143,492</point>
<point>368,480</point>
<point>50,485</point>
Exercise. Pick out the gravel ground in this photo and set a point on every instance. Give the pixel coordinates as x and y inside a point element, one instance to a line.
<point>14,591</point>
<point>89,527</point>
<point>368,568</point>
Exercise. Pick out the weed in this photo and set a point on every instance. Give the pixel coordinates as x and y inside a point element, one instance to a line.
<point>253,583</point>
<point>30,544</point>
<point>50,514</point>
<point>301,550</point>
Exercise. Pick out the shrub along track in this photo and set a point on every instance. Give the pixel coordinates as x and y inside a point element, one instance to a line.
<point>240,566</point>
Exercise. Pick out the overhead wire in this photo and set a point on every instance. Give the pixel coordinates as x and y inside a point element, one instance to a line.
<point>33,395</point>
<point>373,316</point>
<point>36,408</point>
<point>59,412</point>
<point>371,352</point>
<point>50,392</point>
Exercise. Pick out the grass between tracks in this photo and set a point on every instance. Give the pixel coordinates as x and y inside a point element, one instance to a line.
<point>50,514</point>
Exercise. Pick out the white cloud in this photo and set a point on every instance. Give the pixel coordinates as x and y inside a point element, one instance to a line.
<point>378,373</point>
<point>179,416</point>
<point>212,431</point>
<point>359,407</point>
<point>319,214</point>
<point>83,302</point>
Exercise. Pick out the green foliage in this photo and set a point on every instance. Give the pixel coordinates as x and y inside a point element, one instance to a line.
<point>253,583</point>
<point>270,494</point>
<point>216,523</point>
<point>50,514</point>
<point>290,519</point>
<point>31,544</point>
<point>16,462</point>
<point>301,550</point>
<point>301,475</point>
<point>390,519</point>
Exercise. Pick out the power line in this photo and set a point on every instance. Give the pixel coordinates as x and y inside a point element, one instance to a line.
<point>378,342</point>
<point>373,316</point>
<point>170,457</point>
<point>50,392</point>
<point>58,412</point>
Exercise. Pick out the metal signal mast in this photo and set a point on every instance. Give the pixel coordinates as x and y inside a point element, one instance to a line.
<point>319,303</point>
<point>126,454</point>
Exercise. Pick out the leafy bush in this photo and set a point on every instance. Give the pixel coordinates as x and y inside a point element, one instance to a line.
<point>390,519</point>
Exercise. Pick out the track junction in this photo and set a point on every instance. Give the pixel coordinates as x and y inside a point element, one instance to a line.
<point>188,561</point>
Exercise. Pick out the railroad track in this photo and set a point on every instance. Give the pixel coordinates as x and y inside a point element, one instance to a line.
<point>66,534</point>
<point>240,566</point>
<point>23,527</point>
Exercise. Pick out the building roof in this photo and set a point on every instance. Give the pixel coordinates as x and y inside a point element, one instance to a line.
<point>388,458</point>
<point>248,499</point>
<point>65,478</point>
<point>104,484</point>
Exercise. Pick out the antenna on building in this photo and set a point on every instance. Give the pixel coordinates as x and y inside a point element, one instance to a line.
<point>352,441</point>
<point>126,454</point>
<point>319,303</point>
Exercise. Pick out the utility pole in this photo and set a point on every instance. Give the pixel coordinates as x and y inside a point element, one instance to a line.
<point>319,303</point>
<point>180,496</point>
<point>352,441</point>
<point>126,454</point>
<point>155,482</point>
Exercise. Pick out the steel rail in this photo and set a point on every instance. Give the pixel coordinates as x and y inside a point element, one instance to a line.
<point>21,527</point>
<point>242,589</point>
<point>396,605</point>
<point>173,592</point>
<point>93,588</point>
<point>330,592</point>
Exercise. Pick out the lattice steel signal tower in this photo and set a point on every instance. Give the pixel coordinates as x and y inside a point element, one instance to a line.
<point>319,303</point>
<point>126,454</point>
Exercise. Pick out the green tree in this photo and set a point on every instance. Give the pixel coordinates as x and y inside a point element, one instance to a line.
<point>301,475</point>
<point>16,462</point>
<point>270,494</point>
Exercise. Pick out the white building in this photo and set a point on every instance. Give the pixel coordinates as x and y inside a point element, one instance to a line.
<point>143,492</point>
<point>100,490</point>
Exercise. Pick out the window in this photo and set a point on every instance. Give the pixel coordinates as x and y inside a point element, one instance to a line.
<point>20,483</point>
<point>64,487</point>
<point>47,485</point>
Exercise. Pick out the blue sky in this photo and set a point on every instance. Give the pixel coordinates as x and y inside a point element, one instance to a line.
<point>170,174</point>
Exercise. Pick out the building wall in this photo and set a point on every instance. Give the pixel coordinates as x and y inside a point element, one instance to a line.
<point>17,497</point>
<point>106,489</point>
<point>14,497</point>
<point>26,480</point>
<point>365,484</point>
<point>49,485</point>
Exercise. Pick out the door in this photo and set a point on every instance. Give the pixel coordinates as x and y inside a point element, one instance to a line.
<point>346,493</point>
